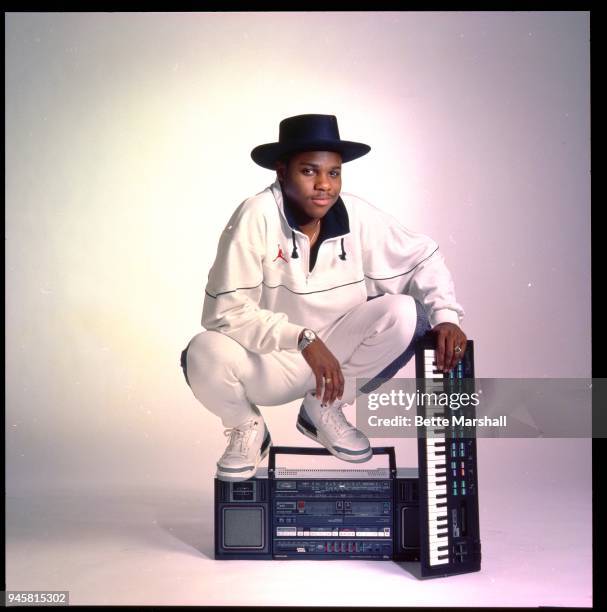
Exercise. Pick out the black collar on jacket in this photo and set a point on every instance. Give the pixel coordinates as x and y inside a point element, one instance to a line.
<point>334,223</point>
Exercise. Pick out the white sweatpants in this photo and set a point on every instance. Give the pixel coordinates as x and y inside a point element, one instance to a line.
<point>231,381</point>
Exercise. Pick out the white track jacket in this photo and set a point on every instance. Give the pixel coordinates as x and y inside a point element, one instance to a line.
<point>261,293</point>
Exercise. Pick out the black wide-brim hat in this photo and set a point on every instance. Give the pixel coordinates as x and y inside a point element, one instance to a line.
<point>307,133</point>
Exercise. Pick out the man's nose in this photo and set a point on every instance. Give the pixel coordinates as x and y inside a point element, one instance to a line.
<point>322,182</point>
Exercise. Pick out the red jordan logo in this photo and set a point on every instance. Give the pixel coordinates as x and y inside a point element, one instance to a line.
<point>280,255</point>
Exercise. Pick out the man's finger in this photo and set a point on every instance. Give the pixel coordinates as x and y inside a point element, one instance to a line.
<point>318,384</point>
<point>328,388</point>
<point>448,353</point>
<point>336,386</point>
<point>440,351</point>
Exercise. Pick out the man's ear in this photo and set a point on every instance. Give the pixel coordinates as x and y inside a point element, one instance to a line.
<point>281,170</point>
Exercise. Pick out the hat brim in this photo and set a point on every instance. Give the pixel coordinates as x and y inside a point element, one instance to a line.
<point>266,155</point>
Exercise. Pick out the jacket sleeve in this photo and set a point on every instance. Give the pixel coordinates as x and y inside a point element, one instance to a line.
<point>233,292</point>
<point>398,260</point>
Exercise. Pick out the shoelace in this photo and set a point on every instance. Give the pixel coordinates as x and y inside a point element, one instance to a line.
<point>336,418</point>
<point>239,438</point>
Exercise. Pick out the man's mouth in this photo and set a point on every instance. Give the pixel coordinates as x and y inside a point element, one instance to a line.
<point>322,203</point>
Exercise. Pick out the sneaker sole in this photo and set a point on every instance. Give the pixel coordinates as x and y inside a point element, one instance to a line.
<point>333,451</point>
<point>245,475</point>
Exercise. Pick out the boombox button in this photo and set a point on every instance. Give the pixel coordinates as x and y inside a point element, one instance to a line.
<point>347,533</point>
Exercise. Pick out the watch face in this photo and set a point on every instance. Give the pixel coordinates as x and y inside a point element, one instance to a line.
<point>309,334</point>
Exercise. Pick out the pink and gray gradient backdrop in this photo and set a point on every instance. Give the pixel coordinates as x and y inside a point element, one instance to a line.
<point>127,148</point>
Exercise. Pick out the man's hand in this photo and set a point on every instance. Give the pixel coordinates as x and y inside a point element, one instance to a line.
<point>448,338</point>
<point>326,369</point>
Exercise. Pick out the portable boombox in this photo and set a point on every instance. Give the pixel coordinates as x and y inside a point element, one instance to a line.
<point>318,514</point>
<point>285,513</point>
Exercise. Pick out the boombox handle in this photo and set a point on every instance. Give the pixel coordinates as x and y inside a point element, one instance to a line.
<point>299,450</point>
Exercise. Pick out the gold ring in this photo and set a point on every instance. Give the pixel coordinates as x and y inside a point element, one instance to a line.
<point>458,349</point>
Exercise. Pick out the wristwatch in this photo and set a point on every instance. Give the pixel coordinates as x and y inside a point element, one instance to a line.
<point>307,338</point>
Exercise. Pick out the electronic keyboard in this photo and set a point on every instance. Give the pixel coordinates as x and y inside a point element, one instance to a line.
<point>448,486</point>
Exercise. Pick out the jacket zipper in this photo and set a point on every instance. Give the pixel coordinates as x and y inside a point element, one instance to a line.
<point>308,252</point>
<point>309,248</point>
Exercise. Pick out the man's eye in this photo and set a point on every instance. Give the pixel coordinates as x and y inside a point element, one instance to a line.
<point>335,173</point>
<point>307,171</point>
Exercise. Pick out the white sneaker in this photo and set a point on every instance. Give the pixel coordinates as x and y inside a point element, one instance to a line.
<point>249,444</point>
<point>328,426</point>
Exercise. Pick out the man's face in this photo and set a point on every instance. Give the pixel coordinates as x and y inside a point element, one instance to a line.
<point>312,181</point>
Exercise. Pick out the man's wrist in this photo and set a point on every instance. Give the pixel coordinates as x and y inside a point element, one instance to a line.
<point>306,337</point>
<point>444,315</point>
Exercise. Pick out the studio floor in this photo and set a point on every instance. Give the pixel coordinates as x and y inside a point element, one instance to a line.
<point>144,546</point>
